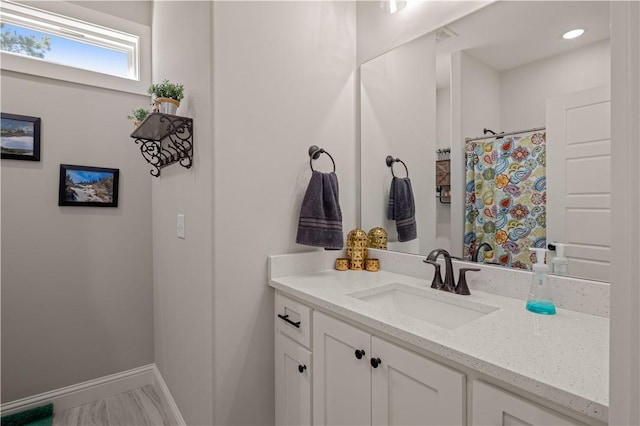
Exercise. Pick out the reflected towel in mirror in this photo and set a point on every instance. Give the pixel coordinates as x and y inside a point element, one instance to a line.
<point>402,208</point>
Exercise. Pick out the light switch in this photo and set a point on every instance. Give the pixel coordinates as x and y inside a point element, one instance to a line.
<point>180,227</point>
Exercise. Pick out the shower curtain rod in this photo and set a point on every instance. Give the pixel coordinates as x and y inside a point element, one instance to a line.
<point>500,135</point>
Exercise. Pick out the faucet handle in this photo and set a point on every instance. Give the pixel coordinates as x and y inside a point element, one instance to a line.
<point>462,287</point>
<point>437,277</point>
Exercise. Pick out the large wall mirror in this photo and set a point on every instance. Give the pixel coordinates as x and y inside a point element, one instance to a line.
<point>544,178</point>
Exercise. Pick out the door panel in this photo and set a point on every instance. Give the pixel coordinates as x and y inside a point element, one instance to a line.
<point>342,382</point>
<point>408,389</point>
<point>492,406</point>
<point>293,387</point>
<point>579,180</point>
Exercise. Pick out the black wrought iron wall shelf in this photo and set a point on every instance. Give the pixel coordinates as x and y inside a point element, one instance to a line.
<point>165,139</point>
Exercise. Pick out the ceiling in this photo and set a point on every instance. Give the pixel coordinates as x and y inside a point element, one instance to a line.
<point>508,34</point>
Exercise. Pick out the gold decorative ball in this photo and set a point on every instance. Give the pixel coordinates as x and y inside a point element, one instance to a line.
<point>377,238</point>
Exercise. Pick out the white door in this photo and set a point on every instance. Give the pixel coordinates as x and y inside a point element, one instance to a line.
<point>579,179</point>
<point>407,389</point>
<point>293,382</point>
<point>341,380</point>
<point>495,407</point>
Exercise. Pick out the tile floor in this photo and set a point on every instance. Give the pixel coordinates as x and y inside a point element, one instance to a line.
<point>138,407</point>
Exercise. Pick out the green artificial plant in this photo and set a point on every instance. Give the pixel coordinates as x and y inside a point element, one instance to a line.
<point>139,114</point>
<point>166,89</point>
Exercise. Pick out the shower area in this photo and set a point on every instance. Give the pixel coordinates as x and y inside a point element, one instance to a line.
<point>505,196</point>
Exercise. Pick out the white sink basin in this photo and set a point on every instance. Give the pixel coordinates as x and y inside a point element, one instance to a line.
<point>435,307</point>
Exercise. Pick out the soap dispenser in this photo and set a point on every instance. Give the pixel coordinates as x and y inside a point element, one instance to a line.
<point>540,300</point>
<point>559,262</point>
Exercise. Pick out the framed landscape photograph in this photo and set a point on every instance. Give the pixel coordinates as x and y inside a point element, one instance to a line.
<point>88,186</point>
<point>20,137</point>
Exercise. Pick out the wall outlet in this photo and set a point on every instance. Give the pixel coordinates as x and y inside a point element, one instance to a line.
<point>180,226</point>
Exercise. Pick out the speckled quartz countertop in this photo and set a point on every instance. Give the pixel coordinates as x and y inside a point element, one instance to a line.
<point>563,358</point>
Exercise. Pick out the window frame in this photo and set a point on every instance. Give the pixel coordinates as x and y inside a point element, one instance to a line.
<point>73,21</point>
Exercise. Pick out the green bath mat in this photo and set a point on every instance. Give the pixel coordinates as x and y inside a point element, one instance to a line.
<point>39,416</point>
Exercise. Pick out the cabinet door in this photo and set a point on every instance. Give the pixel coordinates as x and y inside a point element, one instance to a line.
<point>408,389</point>
<point>293,382</point>
<point>493,406</point>
<point>341,381</point>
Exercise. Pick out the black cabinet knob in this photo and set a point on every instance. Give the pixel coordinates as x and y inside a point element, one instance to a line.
<point>301,368</point>
<point>360,353</point>
<point>375,362</point>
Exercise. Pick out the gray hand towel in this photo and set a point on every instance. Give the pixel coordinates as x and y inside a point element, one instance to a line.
<point>402,208</point>
<point>320,223</point>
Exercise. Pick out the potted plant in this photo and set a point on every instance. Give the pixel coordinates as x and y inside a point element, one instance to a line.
<point>168,96</point>
<point>138,115</point>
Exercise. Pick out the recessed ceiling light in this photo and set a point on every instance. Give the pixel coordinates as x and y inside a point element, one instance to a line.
<point>393,6</point>
<point>573,34</point>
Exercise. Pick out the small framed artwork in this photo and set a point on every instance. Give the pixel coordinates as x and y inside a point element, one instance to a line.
<point>88,186</point>
<point>20,137</point>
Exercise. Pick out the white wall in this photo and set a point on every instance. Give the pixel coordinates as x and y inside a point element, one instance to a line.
<point>443,140</point>
<point>133,10</point>
<point>625,268</point>
<point>398,109</point>
<point>283,80</point>
<point>182,269</point>
<point>76,281</point>
<point>379,31</point>
<point>525,89</point>
<point>476,104</point>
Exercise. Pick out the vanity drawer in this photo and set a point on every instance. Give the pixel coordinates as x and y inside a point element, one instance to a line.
<point>293,319</point>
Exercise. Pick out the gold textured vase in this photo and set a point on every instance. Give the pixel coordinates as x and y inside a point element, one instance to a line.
<point>377,238</point>
<point>372,265</point>
<point>342,264</point>
<point>357,250</point>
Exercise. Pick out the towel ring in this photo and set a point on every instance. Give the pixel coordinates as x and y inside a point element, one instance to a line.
<point>390,160</point>
<point>314,154</point>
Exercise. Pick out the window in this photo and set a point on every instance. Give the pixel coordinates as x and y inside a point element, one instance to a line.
<point>36,41</point>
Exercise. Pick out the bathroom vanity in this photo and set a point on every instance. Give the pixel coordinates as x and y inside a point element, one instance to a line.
<point>357,347</point>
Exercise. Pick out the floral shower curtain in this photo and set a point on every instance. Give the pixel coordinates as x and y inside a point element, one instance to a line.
<point>506,197</point>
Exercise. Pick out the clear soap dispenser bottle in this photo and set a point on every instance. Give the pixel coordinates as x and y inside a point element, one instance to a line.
<point>559,262</point>
<point>540,300</point>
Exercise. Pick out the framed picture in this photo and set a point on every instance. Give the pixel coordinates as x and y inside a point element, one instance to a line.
<point>20,137</point>
<point>88,186</point>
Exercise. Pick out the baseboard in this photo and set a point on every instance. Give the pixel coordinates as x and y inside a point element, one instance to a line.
<point>168,403</point>
<point>89,391</point>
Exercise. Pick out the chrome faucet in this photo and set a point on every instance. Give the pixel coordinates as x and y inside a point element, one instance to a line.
<point>481,247</point>
<point>449,283</point>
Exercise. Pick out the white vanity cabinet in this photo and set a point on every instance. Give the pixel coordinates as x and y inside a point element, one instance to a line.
<point>293,383</point>
<point>493,406</point>
<point>361,379</point>
<point>293,367</point>
<point>330,372</point>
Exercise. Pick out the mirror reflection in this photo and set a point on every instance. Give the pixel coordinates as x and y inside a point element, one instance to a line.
<point>542,178</point>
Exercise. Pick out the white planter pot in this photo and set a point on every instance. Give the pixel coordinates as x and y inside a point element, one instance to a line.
<point>167,105</point>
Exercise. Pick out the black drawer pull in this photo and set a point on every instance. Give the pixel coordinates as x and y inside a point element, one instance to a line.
<point>286,318</point>
<point>301,368</point>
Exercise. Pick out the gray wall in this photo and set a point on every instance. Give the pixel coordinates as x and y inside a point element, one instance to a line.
<point>76,282</point>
